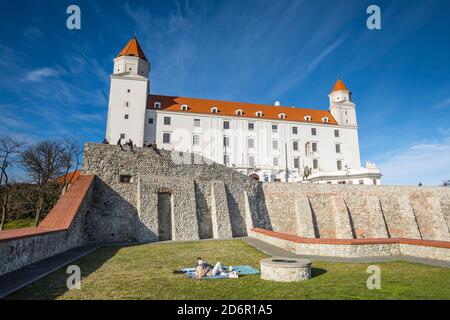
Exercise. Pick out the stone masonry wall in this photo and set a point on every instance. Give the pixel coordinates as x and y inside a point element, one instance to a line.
<point>354,211</point>
<point>129,211</point>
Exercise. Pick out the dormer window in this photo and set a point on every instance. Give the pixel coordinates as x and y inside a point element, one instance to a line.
<point>259,114</point>
<point>239,112</point>
<point>325,119</point>
<point>157,105</point>
<point>308,118</point>
<point>214,110</point>
<point>184,107</point>
<point>282,116</point>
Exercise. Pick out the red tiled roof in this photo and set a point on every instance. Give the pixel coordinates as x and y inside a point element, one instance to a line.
<point>228,109</point>
<point>339,85</point>
<point>71,177</point>
<point>133,48</point>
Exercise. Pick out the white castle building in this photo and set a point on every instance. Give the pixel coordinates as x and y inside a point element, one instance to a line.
<point>269,142</point>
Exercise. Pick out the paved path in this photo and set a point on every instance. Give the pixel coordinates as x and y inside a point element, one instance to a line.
<point>18,279</point>
<point>274,251</point>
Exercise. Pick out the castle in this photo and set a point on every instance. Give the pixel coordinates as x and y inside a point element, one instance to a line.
<point>146,195</point>
<point>271,143</point>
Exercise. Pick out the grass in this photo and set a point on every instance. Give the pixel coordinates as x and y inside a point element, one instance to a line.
<point>19,223</point>
<point>145,272</point>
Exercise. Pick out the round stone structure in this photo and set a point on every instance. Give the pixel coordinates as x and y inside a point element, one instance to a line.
<point>285,269</point>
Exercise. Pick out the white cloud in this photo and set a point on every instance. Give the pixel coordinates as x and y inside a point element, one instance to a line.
<point>39,74</point>
<point>442,104</point>
<point>428,163</point>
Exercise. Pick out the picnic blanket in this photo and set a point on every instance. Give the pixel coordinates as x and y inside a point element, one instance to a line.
<point>241,270</point>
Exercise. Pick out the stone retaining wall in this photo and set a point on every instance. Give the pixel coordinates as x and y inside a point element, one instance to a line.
<point>359,212</point>
<point>355,248</point>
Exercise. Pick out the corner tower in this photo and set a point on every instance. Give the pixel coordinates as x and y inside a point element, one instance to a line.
<point>341,105</point>
<point>128,95</point>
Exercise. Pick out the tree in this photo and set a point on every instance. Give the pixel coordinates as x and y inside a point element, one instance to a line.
<point>9,148</point>
<point>43,162</point>
<point>71,162</point>
<point>446,183</point>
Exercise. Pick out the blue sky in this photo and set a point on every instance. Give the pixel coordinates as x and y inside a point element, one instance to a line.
<point>55,82</point>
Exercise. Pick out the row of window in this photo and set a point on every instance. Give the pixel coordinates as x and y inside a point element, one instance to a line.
<point>251,143</point>
<point>251,126</point>
<point>276,162</point>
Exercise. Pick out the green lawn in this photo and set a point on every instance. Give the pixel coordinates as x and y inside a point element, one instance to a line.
<point>145,272</point>
<point>19,223</point>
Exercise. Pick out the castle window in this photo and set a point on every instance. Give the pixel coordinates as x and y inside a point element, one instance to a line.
<point>184,107</point>
<point>294,130</point>
<point>314,146</point>
<point>296,163</point>
<point>274,128</point>
<point>125,178</point>
<point>195,139</point>
<point>214,110</point>
<point>251,126</point>
<point>338,148</point>
<point>325,119</point>
<point>313,131</point>
<point>122,136</point>
<point>282,116</point>
<point>197,123</point>
<point>157,105</point>
<point>259,114</point>
<point>275,144</point>
<point>127,104</point>
<point>336,133</point>
<point>126,117</point>
<point>226,159</point>
<point>361,181</point>
<point>239,112</point>
<point>251,160</point>
<point>128,90</point>
<point>307,118</point>
<point>166,137</point>
<point>275,162</point>
<point>226,125</point>
<point>251,143</point>
<point>339,165</point>
<point>374,182</point>
<point>167,121</point>
<point>295,145</point>
<point>315,163</point>
<point>150,120</point>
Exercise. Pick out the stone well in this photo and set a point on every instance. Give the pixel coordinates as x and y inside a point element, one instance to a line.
<point>285,269</point>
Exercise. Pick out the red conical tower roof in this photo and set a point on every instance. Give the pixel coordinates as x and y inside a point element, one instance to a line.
<point>133,49</point>
<point>339,86</point>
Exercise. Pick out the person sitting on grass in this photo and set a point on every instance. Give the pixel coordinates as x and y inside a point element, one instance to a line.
<point>204,269</point>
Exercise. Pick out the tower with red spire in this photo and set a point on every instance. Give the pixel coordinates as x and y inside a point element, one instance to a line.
<point>341,105</point>
<point>128,96</point>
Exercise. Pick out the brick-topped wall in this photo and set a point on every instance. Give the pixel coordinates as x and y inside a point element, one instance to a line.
<point>346,211</point>
<point>62,229</point>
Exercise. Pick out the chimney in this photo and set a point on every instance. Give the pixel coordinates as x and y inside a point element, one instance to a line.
<point>277,103</point>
